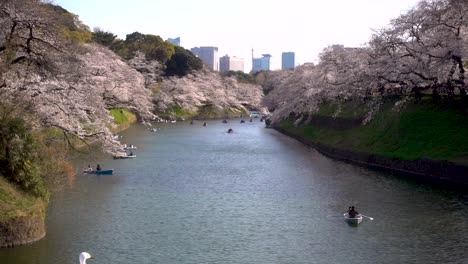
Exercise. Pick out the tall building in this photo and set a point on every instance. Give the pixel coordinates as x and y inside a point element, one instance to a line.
<point>287,60</point>
<point>209,56</point>
<point>227,63</point>
<point>175,41</point>
<point>261,64</point>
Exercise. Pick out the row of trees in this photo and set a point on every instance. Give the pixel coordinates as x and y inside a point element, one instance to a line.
<point>421,50</point>
<point>176,60</point>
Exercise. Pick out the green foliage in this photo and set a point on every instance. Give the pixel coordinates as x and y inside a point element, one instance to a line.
<point>177,111</point>
<point>240,76</point>
<point>347,109</point>
<point>182,63</point>
<point>423,130</point>
<point>122,118</point>
<point>73,28</point>
<point>119,47</point>
<point>154,47</point>
<point>104,38</point>
<point>19,156</point>
<point>78,36</point>
<point>14,202</point>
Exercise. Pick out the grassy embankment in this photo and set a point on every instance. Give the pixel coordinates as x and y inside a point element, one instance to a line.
<point>14,202</point>
<point>421,130</point>
<point>122,119</point>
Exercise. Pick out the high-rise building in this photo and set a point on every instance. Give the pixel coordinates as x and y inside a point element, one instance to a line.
<point>209,56</point>
<point>261,64</point>
<point>287,60</point>
<point>175,41</point>
<point>227,63</point>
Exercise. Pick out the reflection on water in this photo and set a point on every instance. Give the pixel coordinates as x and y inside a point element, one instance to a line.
<point>197,194</point>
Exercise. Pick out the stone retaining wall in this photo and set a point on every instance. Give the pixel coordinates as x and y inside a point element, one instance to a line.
<point>425,170</point>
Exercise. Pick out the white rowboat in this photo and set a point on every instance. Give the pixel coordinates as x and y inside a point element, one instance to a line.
<point>130,148</point>
<point>352,221</point>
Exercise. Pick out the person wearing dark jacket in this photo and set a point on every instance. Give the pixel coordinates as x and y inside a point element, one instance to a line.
<point>352,212</point>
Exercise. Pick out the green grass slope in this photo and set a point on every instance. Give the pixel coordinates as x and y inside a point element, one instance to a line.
<point>14,203</point>
<point>420,130</point>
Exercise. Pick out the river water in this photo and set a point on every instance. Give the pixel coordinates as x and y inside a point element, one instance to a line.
<point>197,194</point>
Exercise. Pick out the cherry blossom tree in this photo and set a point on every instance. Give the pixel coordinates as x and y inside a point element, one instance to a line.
<point>70,85</point>
<point>424,48</point>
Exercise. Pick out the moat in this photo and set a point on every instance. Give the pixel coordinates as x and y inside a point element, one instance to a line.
<point>197,194</point>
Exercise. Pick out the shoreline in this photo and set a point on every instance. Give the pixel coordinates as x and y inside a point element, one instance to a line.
<point>447,174</point>
<point>24,229</point>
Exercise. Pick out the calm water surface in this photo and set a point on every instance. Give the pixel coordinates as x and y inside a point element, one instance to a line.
<point>199,195</point>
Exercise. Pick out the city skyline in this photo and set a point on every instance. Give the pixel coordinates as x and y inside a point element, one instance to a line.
<point>208,55</point>
<point>231,63</point>
<point>238,27</point>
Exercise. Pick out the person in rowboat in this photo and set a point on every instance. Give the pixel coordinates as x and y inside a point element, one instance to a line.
<point>352,212</point>
<point>98,167</point>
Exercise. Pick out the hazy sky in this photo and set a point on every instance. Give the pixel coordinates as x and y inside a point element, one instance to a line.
<point>238,26</point>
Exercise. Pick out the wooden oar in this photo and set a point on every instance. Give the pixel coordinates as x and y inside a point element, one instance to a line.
<point>371,218</point>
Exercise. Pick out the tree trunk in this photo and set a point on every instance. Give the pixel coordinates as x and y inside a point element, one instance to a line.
<point>435,94</point>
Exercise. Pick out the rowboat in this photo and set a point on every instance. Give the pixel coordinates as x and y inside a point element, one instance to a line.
<point>352,221</point>
<point>130,148</point>
<point>125,157</point>
<point>109,172</point>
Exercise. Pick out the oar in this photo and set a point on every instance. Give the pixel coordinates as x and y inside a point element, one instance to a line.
<point>371,218</point>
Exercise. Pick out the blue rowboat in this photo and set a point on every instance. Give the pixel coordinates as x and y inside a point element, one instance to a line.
<point>108,172</point>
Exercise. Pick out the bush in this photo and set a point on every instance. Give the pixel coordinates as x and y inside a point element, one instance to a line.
<point>18,155</point>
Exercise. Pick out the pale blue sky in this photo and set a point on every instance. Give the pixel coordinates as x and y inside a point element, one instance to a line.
<point>235,27</point>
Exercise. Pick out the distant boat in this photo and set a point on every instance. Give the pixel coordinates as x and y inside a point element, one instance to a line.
<point>125,157</point>
<point>181,119</point>
<point>117,137</point>
<point>109,172</point>
<point>130,148</point>
<point>255,114</point>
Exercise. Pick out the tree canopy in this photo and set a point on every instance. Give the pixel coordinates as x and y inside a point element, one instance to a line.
<point>154,47</point>
<point>103,38</point>
<point>182,63</point>
<point>240,76</point>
